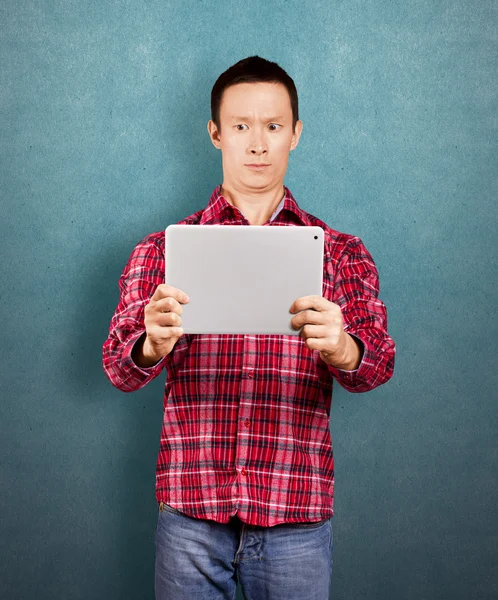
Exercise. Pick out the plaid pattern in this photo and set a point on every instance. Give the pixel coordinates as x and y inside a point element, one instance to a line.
<point>246,417</point>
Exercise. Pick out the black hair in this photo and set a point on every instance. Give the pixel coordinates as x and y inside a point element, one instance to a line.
<point>252,69</point>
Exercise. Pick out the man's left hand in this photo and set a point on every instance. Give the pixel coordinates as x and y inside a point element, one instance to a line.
<point>323,330</point>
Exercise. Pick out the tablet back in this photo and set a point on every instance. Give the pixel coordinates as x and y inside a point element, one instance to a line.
<point>243,279</point>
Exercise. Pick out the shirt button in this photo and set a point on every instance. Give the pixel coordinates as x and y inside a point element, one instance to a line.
<point>247,423</point>
<point>244,472</point>
<point>250,374</point>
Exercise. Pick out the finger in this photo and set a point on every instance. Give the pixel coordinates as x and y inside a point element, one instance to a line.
<point>165,290</point>
<point>168,304</point>
<point>313,331</point>
<point>319,344</point>
<point>170,319</point>
<point>158,334</point>
<point>305,302</point>
<point>307,316</point>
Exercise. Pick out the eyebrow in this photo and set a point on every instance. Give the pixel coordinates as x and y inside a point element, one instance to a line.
<point>279,118</point>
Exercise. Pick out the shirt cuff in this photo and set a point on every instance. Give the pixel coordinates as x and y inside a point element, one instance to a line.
<point>356,380</point>
<point>362,346</point>
<point>136,373</point>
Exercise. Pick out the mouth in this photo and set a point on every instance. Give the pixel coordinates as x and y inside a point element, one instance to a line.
<point>257,166</point>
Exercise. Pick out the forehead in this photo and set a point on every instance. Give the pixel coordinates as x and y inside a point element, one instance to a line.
<point>251,98</point>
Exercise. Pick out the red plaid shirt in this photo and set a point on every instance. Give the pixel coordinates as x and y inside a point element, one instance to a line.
<point>246,417</point>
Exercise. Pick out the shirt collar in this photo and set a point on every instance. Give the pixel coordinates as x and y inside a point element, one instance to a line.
<point>220,210</point>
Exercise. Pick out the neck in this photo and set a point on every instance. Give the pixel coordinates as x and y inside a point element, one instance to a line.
<point>258,206</point>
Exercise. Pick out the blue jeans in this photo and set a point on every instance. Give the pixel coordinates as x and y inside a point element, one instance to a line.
<point>200,559</point>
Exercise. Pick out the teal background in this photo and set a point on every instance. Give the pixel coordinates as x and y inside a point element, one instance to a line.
<point>104,107</point>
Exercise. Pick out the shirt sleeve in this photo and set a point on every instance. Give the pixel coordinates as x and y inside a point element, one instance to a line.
<point>142,274</point>
<point>356,291</point>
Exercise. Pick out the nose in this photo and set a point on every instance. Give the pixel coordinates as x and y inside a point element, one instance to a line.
<point>257,150</point>
<point>257,143</point>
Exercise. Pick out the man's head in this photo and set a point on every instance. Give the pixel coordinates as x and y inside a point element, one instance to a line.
<point>254,119</point>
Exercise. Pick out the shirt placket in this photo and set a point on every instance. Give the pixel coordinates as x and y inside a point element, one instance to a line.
<point>248,384</point>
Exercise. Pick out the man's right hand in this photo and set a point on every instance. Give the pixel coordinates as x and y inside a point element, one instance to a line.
<point>162,325</point>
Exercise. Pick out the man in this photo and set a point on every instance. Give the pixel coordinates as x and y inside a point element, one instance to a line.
<point>245,472</point>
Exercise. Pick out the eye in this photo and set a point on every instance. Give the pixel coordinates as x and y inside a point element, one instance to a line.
<point>274,125</point>
<point>240,125</point>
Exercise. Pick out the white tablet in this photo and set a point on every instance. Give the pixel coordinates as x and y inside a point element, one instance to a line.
<point>243,278</point>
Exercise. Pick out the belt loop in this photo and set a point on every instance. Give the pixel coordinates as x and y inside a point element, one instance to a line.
<point>161,506</point>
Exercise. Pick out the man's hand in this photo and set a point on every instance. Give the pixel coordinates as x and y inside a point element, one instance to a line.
<point>162,325</point>
<point>323,330</point>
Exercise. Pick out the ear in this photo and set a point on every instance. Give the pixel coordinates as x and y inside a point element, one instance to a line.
<point>214,134</point>
<point>297,134</point>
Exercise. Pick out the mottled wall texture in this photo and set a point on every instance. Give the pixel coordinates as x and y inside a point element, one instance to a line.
<point>104,106</point>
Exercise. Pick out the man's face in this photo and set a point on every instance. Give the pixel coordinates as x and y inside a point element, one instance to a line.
<point>256,128</point>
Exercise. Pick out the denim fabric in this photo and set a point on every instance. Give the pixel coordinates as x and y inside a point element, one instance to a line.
<point>202,559</point>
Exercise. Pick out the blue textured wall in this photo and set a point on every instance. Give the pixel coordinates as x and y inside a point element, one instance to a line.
<point>104,106</point>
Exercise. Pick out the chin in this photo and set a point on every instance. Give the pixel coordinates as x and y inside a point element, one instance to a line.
<point>262,183</point>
